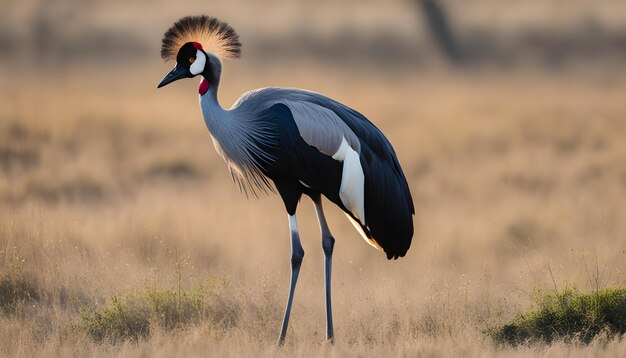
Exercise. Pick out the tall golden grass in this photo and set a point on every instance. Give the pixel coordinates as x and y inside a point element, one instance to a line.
<point>110,186</point>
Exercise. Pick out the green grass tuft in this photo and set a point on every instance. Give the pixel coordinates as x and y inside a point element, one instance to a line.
<point>134,315</point>
<point>119,319</point>
<point>569,315</point>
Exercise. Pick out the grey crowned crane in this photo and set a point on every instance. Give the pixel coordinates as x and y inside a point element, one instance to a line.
<point>301,142</point>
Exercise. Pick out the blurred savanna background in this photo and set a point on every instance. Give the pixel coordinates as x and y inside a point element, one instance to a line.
<point>122,233</point>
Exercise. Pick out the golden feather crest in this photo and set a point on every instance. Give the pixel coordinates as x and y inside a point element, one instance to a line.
<point>215,37</point>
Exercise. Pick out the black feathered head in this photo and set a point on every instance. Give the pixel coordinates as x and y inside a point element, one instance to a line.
<point>213,36</point>
<point>197,43</point>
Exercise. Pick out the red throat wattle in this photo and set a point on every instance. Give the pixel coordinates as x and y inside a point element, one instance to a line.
<point>204,86</point>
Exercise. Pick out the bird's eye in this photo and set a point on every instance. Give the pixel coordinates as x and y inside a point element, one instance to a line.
<point>191,59</point>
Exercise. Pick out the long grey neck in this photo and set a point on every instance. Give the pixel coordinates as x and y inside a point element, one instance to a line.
<point>228,130</point>
<point>215,117</point>
<point>212,94</point>
<point>237,135</point>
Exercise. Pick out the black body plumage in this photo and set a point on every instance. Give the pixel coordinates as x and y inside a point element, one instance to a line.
<point>388,204</point>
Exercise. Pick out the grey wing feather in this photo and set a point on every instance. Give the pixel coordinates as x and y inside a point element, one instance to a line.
<point>318,125</point>
<point>321,128</point>
<point>331,117</point>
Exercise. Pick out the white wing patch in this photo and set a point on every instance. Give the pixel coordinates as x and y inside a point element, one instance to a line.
<point>352,190</point>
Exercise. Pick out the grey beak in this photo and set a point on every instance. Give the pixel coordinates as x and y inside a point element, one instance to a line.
<point>176,74</point>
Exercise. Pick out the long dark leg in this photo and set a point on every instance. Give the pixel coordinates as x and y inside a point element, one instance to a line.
<point>297,254</point>
<point>291,195</point>
<point>328,242</point>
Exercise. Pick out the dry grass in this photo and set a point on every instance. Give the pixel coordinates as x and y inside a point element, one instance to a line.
<point>112,189</point>
<point>519,182</point>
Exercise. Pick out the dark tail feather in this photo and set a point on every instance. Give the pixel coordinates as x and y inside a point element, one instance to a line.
<point>388,206</point>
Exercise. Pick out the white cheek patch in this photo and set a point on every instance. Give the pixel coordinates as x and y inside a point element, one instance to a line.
<point>352,190</point>
<point>197,66</point>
